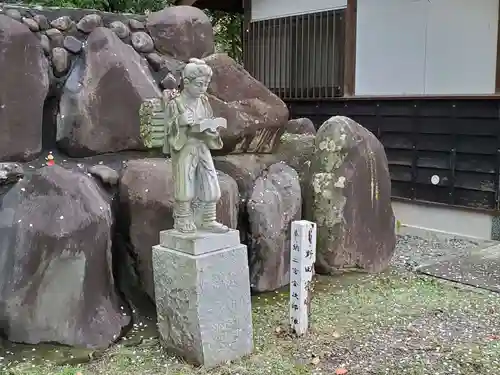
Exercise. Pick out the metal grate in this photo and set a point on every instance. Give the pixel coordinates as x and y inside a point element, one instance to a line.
<point>298,57</point>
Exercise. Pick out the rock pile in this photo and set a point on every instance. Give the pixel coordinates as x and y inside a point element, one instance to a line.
<point>66,228</point>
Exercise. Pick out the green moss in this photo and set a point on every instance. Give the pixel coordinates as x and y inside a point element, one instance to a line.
<point>146,123</point>
<point>346,311</point>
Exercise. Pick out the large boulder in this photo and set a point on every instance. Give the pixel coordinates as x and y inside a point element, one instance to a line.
<point>297,151</point>
<point>256,117</point>
<point>228,205</point>
<point>350,199</point>
<point>274,203</point>
<point>300,126</point>
<point>146,208</point>
<point>56,278</point>
<point>182,32</point>
<point>24,85</point>
<point>244,169</point>
<point>99,107</point>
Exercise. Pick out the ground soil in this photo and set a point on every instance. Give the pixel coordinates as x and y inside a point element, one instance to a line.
<point>397,322</point>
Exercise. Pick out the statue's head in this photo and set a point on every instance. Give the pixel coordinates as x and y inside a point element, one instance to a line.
<point>196,77</point>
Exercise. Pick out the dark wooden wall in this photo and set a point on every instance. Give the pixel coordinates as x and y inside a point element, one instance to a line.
<point>457,139</point>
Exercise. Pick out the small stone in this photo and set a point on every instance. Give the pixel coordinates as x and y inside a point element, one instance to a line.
<point>62,23</point>
<point>106,174</point>
<point>42,21</point>
<point>169,82</point>
<point>31,23</point>
<point>56,36</point>
<point>14,13</point>
<point>89,22</point>
<point>135,24</point>
<point>142,42</point>
<point>10,173</point>
<point>45,42</point>
<point>120,29</point>
<point>72,44</point>
<point>60,61</point>
<point>155,60</point>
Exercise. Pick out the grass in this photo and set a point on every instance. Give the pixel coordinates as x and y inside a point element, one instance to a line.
<point>355,324</point>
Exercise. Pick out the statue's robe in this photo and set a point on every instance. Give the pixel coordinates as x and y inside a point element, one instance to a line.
<point>193,168</point>
<point>176,136</point>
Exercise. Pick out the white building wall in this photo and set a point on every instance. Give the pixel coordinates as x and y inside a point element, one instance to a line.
<point>390,47</point>
<point>461,47</point>
<point>411,47</point>
<point>268,9</point>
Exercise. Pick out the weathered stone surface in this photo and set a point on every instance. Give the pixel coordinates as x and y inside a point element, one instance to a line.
<point>106,174</point>
<point>42,21</point>
<point>142,42</point>
<point>155,60</point>
<point>146,199</point>
<point>10,173</point>
<point>56,37</point>
<point>56,280</point>
<point>300,126</point>
<point>244,169</point>
<point>350,199</point>
<point>256,117</point>
<point>120,29</point>
<point>228,205</point>
<point>182,32</point>
<point>275,202</point>
<point>23,75</point>
<point>72,44</point>
<point>99,107</point>
<point>169,82</point>
<point>14,13</point>
<point>88,23</point>
<point>189,289</point>
<point>297,151</point>
<point>31,23</point>
<point>136,24</point>
<point>62,23</point>
<point>45,43</point>
<point>60,60</point>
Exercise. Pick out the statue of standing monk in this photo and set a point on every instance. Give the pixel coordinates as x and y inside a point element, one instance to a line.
<point>191,131</point>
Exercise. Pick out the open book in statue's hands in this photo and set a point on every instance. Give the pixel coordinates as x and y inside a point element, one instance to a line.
<point>213,124</point>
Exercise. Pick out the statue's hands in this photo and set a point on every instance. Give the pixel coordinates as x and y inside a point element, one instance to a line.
<point>211,133</point>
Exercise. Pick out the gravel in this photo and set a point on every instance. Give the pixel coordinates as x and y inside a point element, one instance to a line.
<point>413,251</point>
<point>418,326</point>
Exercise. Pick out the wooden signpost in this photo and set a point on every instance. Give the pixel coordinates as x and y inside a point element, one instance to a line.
<point>302,258</point>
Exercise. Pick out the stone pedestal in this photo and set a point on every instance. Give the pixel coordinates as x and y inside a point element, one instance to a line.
<point>202,293</point>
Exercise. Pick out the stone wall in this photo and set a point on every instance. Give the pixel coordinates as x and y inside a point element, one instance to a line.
<point>74,80</point>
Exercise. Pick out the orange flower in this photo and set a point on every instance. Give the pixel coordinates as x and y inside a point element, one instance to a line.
<point>341,371</point>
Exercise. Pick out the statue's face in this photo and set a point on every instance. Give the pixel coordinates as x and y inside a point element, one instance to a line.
<point>197,87</point>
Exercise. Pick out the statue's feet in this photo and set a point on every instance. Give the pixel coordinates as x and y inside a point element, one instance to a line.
<point>185,225</point>
<point>214,227</point>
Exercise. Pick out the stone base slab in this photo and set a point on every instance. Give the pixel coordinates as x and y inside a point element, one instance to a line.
<point>203,301</point>
<point>199,242</point>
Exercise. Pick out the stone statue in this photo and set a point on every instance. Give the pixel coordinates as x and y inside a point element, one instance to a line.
<point>191,131</point>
